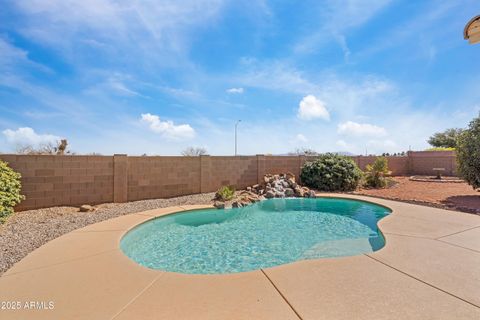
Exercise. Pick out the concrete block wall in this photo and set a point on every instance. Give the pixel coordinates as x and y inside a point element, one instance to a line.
<point>277,164</point>
<point>422,162</point>
<point>63,180</point>
<point>239,171</point>
<point>75,180</point>
<point>162,177</point>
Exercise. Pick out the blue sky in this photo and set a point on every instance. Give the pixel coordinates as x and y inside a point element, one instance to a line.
<point>158,76</point>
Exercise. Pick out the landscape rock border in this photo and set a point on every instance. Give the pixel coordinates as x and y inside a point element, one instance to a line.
<point>273,186</point>
<point>433,179</point>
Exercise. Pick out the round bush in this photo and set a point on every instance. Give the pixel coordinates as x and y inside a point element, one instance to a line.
<point>9,190</point>
<point>468,154</point>
<point>331,172</point>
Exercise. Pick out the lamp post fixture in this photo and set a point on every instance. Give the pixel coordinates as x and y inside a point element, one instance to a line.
<point>236,125</point>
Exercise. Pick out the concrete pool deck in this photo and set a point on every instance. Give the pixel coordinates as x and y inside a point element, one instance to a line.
<point>429,269</point>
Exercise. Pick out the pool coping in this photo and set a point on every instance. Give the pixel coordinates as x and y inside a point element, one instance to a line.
<point>432,250</point>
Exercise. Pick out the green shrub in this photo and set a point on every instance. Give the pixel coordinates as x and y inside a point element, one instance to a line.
<point>9,190</point>
<point>468,154</point>
<point>331,172</point>
<point>376,174</point>
<point>225,193</point>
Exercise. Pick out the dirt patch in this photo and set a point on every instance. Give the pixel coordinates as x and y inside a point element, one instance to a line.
<point>456,196</point>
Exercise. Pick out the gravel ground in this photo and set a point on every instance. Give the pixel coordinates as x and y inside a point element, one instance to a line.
<point>451,195</point>
<point>27,230</point>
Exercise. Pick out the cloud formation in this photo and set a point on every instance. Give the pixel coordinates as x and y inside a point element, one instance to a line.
<point>312,108</point>
<point>26,136</point>
<point>235,90</point>
<point>341,143</point>
<point>301,138</point>
<point>168,128</point>
<point>351,128</point>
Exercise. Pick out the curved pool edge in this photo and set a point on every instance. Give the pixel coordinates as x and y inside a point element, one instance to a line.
<point>122,225</point>
<point>192,208</point>
<point>83,267</point>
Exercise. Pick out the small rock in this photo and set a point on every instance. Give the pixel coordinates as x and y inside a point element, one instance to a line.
<point>311,194</point>
<point>289,192</point>
<point>280,194</point>
<point>228,204</point>
<point>237,204</point>
<point>219,205</point>
<point>86,208</point>
<point>299,192</point>
<point>249,188</point>
<point>270,194</point>
<point>290,176</point>
<point>292,183</point>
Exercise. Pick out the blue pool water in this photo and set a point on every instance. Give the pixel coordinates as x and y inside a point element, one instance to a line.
<point>264,234</point>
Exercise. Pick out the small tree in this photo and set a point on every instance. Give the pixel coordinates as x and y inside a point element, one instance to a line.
<point>445,139</point>
<point>9,190</point>
<point>303,152</point>
<point>468,153</point>
<point>58,148</point>
<point>194,152</point>
<point>377,172</point>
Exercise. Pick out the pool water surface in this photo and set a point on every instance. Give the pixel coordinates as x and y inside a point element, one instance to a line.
<point>264,234</point>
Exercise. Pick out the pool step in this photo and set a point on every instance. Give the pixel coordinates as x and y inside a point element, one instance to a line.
<point>338,248</point>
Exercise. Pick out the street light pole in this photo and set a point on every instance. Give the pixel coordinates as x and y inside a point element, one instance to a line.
<point>236,125</point>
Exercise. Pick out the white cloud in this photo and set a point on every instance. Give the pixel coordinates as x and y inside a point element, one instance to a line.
<point>346,96</point>
<point>336,18</point>
<point>144,25</point>
<point>382,143</point>
<point>381,146</point>
<point>28,137</point>
<point>360,129</point>
<point>168,128</point>
<point>14,58</point>
<point>10,54</point>
<point>273,75</point>
<point>235,90</point>
<point>312,108</point>
<point>120,88</point>
<point>342,144</point>
<point>301,138</point>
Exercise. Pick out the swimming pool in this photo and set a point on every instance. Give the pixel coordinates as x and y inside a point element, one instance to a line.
<point>265,234</point>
